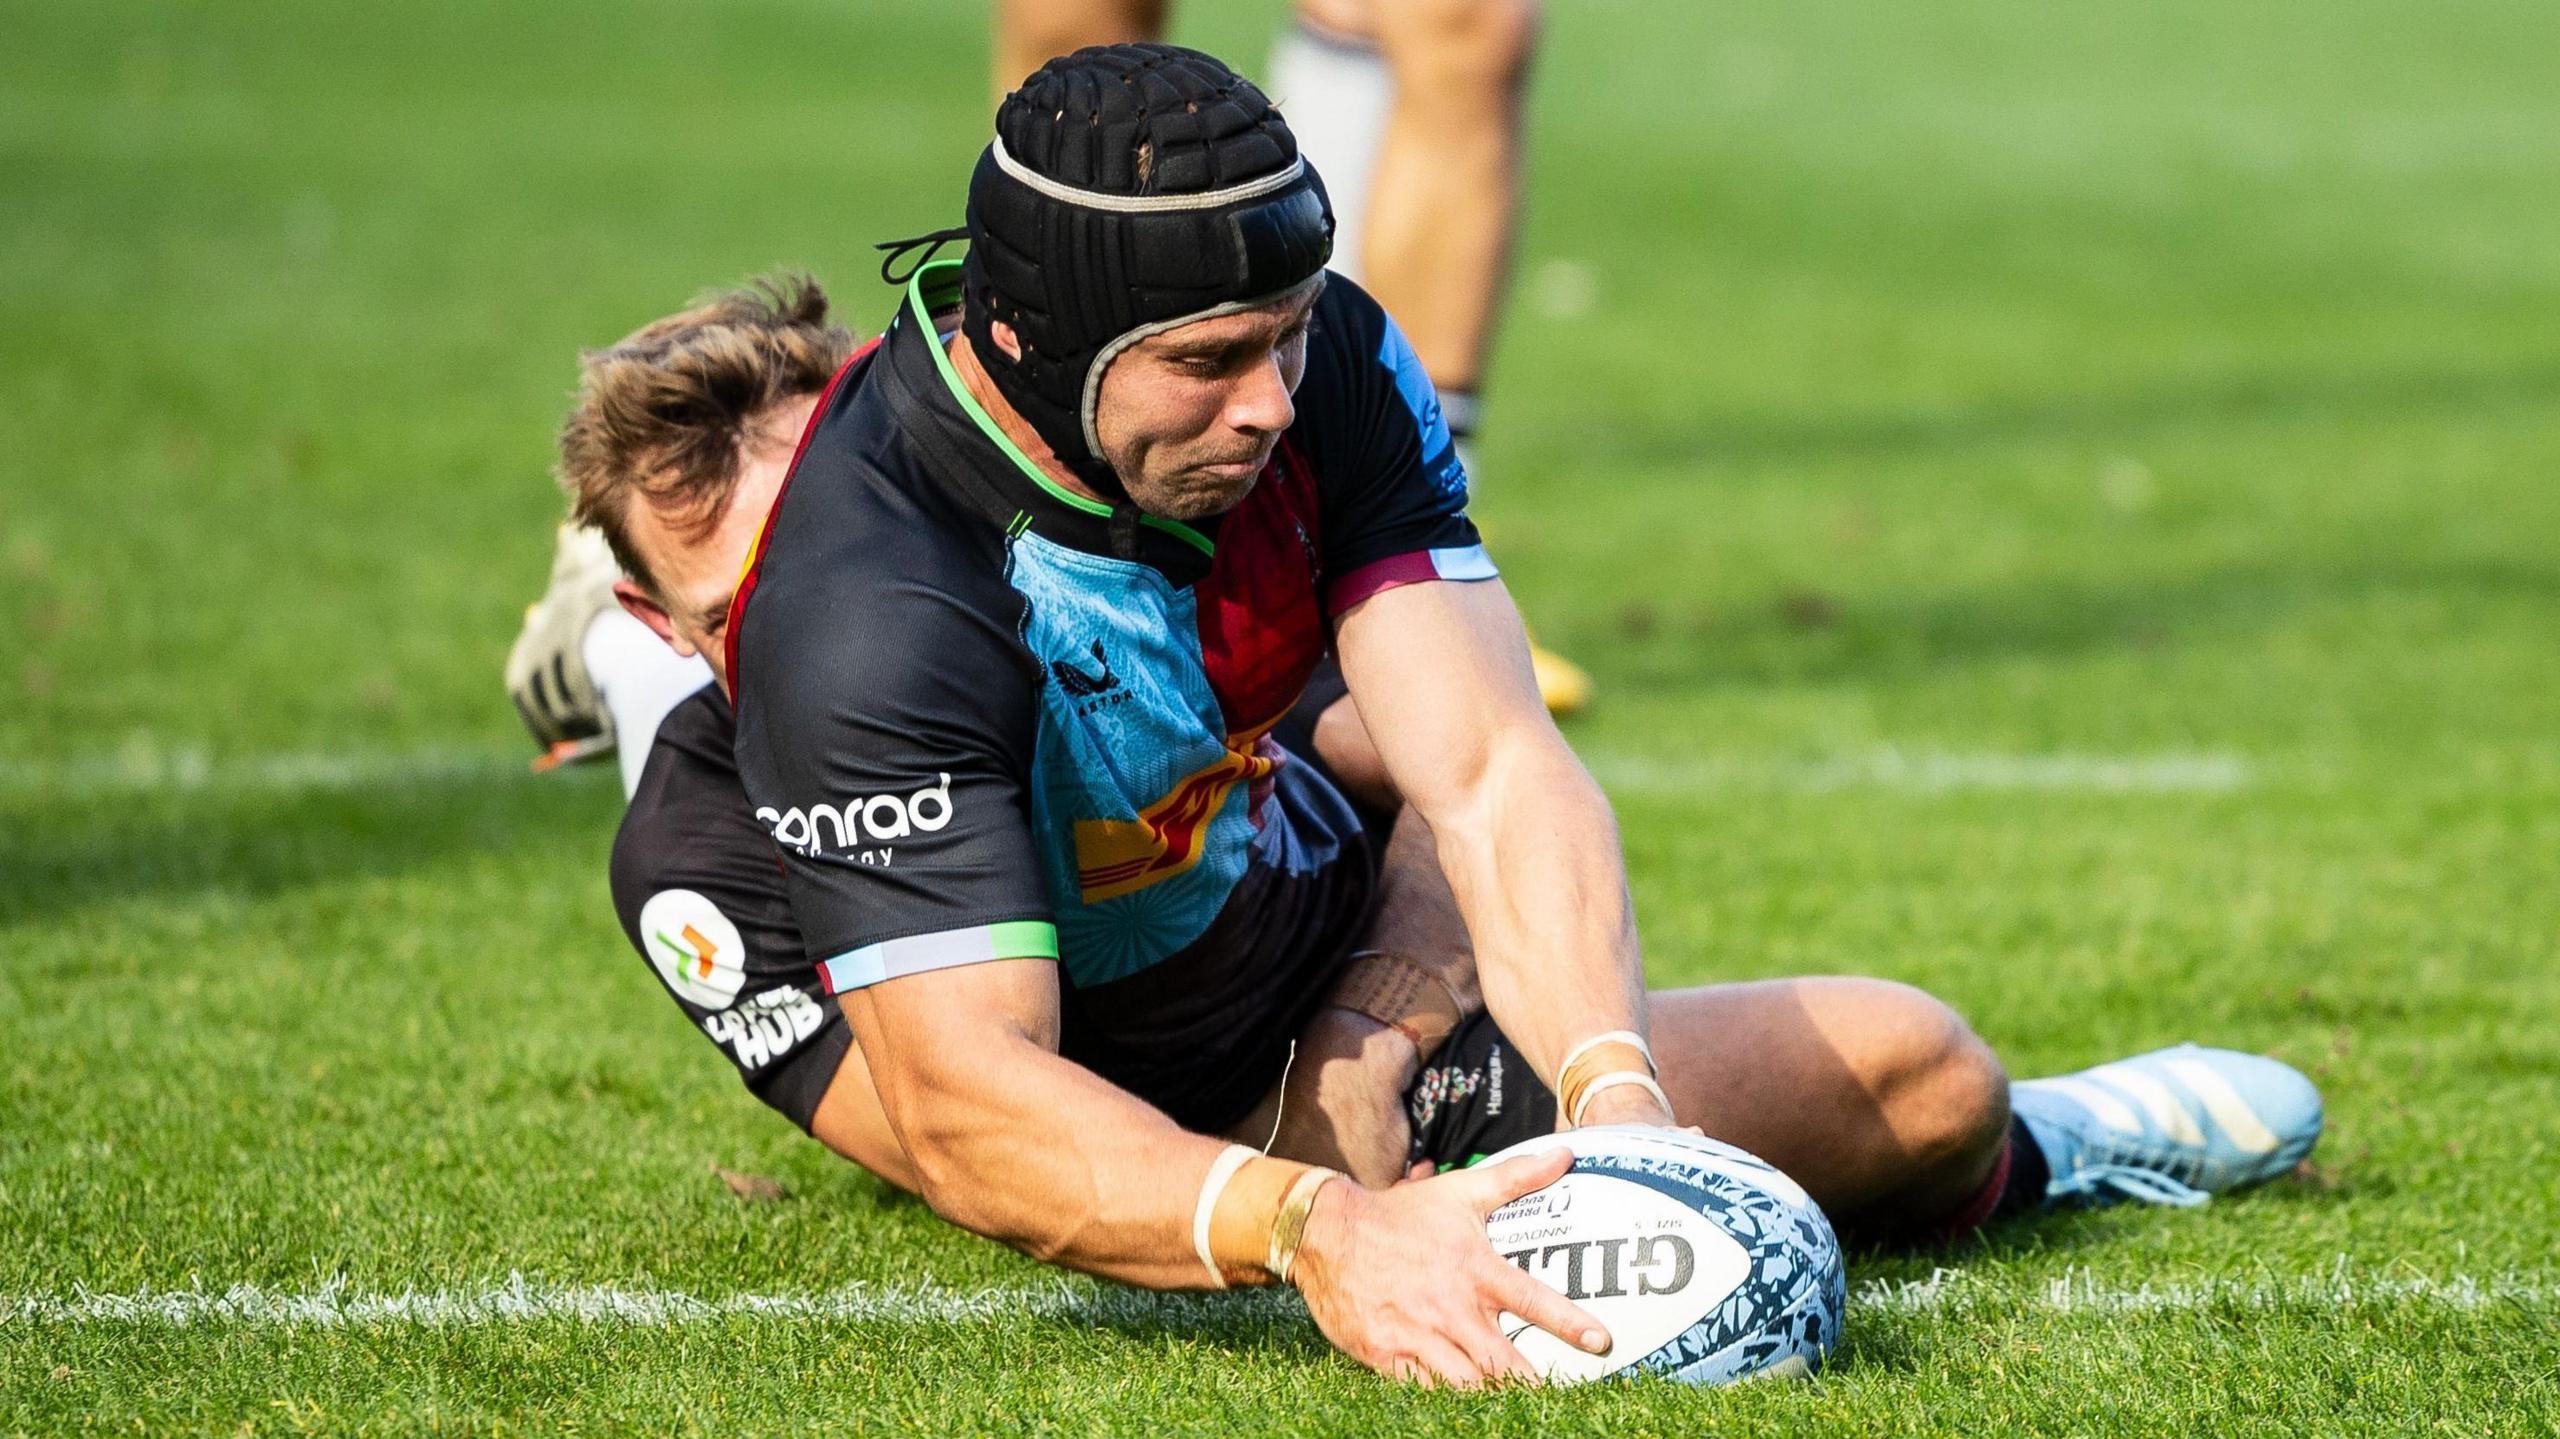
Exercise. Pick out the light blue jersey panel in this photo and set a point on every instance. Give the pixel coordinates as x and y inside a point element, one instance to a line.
<point>1126,715</point>
<point>1439,446</point>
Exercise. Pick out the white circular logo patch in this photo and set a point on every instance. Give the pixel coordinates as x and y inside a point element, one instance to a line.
<point>694,946</point>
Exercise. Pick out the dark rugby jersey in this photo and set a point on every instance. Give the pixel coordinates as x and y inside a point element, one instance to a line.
<point>979,728</point>
<point>701,897</point>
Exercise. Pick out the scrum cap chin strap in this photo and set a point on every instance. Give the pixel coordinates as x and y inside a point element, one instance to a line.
<point>1081,275</point>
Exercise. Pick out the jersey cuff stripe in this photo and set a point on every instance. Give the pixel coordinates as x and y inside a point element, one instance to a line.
<point>949,949</point>
<point>1455,562</point>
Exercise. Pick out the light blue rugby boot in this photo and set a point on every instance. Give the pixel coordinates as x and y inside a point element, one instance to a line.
<point>2175,1126</point>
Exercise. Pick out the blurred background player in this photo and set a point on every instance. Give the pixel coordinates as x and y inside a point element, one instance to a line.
<point>1411,109</point>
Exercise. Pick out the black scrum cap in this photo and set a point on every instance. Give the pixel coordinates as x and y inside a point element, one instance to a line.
<point>1130,189</point>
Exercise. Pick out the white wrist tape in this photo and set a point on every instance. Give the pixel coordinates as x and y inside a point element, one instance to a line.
<point>1222,1169</point>
<point>1615,1036</point>
<point>1612,1081</point>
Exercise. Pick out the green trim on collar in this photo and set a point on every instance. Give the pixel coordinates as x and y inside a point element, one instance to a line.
<point>986,424</point>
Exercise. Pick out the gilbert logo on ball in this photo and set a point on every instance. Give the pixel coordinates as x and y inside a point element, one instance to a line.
<point>1705,1263</point>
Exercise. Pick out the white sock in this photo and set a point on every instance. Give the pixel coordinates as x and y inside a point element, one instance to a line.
<point>1458,408</point>
<point>640,679</point>
<point>1335,93</point>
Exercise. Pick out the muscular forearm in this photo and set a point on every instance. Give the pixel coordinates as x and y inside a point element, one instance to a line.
<point>1441,674</point>
<point>1039,1153</point>
<point>1535,864</point>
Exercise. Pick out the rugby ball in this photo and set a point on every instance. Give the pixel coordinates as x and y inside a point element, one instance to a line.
<point>1706,1264</point>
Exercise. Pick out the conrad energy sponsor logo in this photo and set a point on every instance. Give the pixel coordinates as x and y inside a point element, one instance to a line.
<point>863,830</point>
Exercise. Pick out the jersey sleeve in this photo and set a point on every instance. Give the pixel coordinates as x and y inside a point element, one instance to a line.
<point>885,727</point>
<point>702,900</point>
<point>1395,492</point>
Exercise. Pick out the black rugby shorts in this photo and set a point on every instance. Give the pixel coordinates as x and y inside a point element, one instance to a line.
<point>1476,1096</point>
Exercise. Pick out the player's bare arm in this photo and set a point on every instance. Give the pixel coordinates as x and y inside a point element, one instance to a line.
<point>1441,674</point>
<point>1013,1142</point>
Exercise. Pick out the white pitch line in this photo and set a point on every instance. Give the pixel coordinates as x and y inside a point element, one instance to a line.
<point>2081,1292</point>
<point>145,769</point>
<point>519,1300</point>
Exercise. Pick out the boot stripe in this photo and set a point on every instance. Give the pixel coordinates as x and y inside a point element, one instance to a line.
<point>2231,1114</point>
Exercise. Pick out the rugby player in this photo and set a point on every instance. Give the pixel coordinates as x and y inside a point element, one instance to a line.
<point>1413,111</point>
<point>1048,569</point>
<point>1412,107</point>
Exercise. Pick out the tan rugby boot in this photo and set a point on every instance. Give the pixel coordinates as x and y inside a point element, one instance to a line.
<point>1564,685</point>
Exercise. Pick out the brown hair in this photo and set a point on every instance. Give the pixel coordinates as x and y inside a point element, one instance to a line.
<point>665,414</point>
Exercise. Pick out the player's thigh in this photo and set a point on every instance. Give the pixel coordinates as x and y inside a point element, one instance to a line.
<point>1455,42</point>
<point>1416,917</point>
<point>1835,1068</point>
<point>850,1120</point>
<point>1341,19</point>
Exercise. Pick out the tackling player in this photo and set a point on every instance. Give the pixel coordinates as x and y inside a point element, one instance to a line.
<point>994,643</point>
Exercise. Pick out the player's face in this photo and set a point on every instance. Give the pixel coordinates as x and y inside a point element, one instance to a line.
<point>1188,418</point>
<point>697,568</point>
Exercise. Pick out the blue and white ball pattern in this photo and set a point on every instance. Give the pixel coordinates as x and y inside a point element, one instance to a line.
<point>1706,1264</point>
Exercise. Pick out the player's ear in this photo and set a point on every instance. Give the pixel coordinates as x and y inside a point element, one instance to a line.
<point>644,607</point>
<point>1005,338</point>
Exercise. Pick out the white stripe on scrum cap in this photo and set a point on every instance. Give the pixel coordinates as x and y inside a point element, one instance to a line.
<point>2231,1114</point>
<point>2155,1098</point>
<point>1059,190</point>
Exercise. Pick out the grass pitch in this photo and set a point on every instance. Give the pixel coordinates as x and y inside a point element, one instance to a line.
<point>2059,505</point>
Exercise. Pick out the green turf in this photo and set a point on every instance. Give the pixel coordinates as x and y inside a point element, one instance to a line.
<point>1894,392</point>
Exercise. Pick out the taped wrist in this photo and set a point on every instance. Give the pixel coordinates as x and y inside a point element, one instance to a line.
<point>1401,994</point>
<point>1622,1079</point>
<point>1252,1214</point>
<point>1612,1060</point>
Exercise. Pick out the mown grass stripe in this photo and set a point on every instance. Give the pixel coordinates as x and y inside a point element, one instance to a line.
<point>1926,772</point>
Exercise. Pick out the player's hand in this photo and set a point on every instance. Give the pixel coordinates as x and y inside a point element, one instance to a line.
<point>1405,1281</point>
